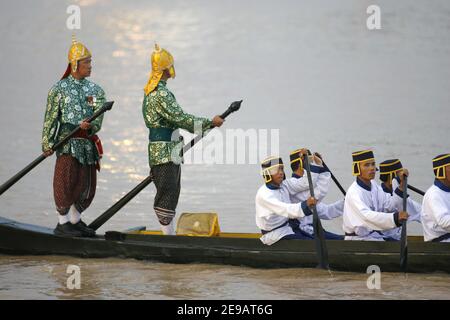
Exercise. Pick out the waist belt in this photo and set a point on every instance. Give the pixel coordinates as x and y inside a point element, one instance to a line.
<point>160,134</point>
<point>294,223</point>
<point>83,134</point>
<point>355,235</point>
<point>443,237</point>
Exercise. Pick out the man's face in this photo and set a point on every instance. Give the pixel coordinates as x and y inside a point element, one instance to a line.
<point>277,174</point>
<point>368,169</point>
<point>84,67</point>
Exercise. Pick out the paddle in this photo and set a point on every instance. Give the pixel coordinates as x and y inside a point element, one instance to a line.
<point>404,238</point>
<point>108,214</point>
<point>332,175</point>
<point>106,106</point>
<point>321,247</point>
<point>416,190</point>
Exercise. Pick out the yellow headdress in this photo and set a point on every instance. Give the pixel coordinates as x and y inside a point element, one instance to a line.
<point>161,60</point>
<point>439,164</point>
<point>296,156</point>
<point>270,166</point>
<point>77,52</point>
<point>358,157</point>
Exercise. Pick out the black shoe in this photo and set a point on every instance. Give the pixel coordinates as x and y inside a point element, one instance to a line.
<point>67,230</point>
<point>84,229</point>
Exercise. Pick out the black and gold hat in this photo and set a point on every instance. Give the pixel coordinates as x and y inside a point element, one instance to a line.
<point>439,164</point>
<point>268,165</point>
<point>296,160</point>
<point>360,156</point>
<point>389,168</point>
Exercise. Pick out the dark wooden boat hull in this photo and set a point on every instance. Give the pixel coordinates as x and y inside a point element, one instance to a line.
<point>19,238</point>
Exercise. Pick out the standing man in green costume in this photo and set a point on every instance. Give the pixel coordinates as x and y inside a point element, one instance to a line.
<point>70,101</point>
<point>164,116</point>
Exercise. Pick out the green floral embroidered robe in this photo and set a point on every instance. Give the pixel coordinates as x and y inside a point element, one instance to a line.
<point>68,104</point>
<point>161,110</point>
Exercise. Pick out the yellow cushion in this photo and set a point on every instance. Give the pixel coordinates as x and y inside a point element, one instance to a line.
<point>198,224</point>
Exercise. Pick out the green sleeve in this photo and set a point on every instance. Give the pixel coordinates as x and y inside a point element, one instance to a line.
<point>170,110</point>
<point>49,131</point>
<point>97,123</point>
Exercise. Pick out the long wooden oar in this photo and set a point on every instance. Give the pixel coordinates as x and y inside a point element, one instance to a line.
<point>422,193</point>
<point>106,106</point>
<point>332,175</point>
<point>108,214</point>
<point>404,237</point>
<point>319,237</point>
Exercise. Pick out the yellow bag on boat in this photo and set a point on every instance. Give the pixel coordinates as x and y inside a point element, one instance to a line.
<point>198,224</point>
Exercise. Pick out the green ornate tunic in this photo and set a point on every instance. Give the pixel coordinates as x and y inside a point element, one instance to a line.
<point>162,114</point>
<point>69,102</point>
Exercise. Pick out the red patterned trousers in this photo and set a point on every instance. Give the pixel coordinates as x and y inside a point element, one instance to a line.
<point>73,184</point>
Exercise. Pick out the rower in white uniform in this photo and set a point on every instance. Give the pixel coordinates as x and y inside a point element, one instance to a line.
<point>389,175</point>
<point>274,210</point>
<point>367,208</point>
<point>321,179</point>
<point>436,203</point>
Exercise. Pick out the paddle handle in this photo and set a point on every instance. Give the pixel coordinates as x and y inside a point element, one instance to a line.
<point>321,248</point>
<point>235,106</point>
<point>106,106</point>
<point>332,175</point>
<point>8,184</point>
<point>404,236</point>
<point>334,178</point>
<point>422,193</point>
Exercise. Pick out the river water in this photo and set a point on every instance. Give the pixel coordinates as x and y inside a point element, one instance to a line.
<point>310,69</point>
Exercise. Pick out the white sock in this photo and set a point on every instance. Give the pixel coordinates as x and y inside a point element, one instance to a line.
<point>75,216</point>
<point>63,218</point>
<point>168,230</point>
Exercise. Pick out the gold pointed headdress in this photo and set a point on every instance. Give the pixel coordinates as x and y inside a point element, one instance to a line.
<point>77,52</point>
<point>161,60</point>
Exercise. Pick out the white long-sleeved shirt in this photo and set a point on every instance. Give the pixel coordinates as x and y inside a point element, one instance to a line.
<point>321,182</point>
<point>413,208</point>
<point>367,209</point>
<point>436,211</point>
<point>273,209</point>
<point>299,186</point>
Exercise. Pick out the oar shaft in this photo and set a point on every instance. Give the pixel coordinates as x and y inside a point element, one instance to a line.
<point>422,193</point>
<point>319,238</point>
<point>8,184</point>
<point>404,235</point>
<point>198,137</point>
<point>334,178</point>
<point>97,223</point>
<point>21,173</point>
<point>107,106</point>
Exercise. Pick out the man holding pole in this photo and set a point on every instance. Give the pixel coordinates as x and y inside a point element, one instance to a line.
<point>321,179</point>
<point>70,102</point>
<point>164,116</point>
<point>276,215</point>
<point>389,176</point>
<point>367,208</point>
